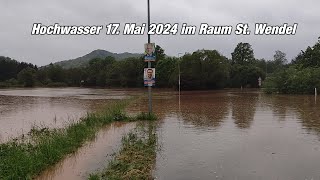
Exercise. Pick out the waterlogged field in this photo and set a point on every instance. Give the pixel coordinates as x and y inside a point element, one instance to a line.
<point>92,157</point>
<point>43,150</point>
<point>239,135</point>
<point>22,109</point>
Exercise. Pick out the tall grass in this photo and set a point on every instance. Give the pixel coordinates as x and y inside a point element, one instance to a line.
<point>137,157</point>
<point>26,158</point>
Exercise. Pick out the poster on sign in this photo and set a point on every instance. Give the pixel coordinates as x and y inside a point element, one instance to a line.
<point>149,52</point>
<point>149,76</point>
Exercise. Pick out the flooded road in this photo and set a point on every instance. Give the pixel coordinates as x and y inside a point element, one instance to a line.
<point>237,135</point>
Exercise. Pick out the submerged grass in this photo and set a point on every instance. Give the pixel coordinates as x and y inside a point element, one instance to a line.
<point>136,158</point>
<point>146,116</point>
<point>27,157</point>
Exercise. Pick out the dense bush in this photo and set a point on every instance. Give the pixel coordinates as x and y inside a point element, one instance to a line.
<point>302,76</point>
<point>294,80</point>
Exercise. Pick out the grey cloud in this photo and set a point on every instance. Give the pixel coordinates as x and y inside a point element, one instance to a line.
<point>17,18</point>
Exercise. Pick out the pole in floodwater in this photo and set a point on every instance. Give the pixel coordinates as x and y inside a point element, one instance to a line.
<point>179,78</point>
<point>149,62</point>
<point>315,95</point>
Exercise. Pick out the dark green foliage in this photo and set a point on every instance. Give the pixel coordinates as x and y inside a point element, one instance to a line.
<point>10,68</point>
<point>160,55</point>
<point>166,72</point>
<point>310,57</point>
<point>245,69</point>
<point>243,54</point>
<point>204,69</point>
<point>280,58</point>
<point>302,76</point>
<point>27,77</point>
<point>146,116</point>
<point>294,80</point>
<point>245,76</point>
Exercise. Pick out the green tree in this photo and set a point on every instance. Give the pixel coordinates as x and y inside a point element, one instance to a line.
<point>310,57</point>
<point>9,68</point>
<point>98,69</point>
<point>74,76</point>
<point>204,69</point>
<point>165,72</point>
<point>245,69</point>
<point>27,77</point>
<point>280,58</point>
<point>56,73</point>
<point>242,54</point>
<point>160,55</point>
<point>214,69</point>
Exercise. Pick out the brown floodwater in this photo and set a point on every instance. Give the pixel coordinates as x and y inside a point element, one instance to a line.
<point>237,135</point>
<point>21,109</point>
<point>92,157</point>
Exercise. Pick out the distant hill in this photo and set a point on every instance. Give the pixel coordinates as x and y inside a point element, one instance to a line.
<point>84,60</point>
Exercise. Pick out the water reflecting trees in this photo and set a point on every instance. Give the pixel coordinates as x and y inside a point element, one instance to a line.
<point>205,110</point>
<point>243,107</point>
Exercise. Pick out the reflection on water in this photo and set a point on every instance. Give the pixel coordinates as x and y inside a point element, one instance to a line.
<point>20,109</point>
<point>236,135</point>
<point>243,108</point>
<point>239,135</point>
<point>302,108</point>
<point>93,157</point>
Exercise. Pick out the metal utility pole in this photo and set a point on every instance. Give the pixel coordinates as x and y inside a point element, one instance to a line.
<point>149,63</point>
<point>179,73</point>
<point>179,78</point>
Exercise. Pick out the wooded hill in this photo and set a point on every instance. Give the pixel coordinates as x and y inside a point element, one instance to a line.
<point>84,60</point>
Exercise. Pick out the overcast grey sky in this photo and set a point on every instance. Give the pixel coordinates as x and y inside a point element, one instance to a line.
<point>17,18</point>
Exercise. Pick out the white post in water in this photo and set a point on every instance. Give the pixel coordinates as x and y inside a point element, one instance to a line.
<point>315,95</point>
<point>179,79</point>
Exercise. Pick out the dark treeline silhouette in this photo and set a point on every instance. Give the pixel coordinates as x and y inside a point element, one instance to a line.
<point>301,76</point>
<point>9,69</point>
<point>202,69</point>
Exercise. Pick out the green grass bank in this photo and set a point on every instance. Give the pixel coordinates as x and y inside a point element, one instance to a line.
<point>28,156</point>
<point>137,157</point>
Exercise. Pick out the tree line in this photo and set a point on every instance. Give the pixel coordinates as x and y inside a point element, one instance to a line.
<point>202,69</point>
<point>301,76</point>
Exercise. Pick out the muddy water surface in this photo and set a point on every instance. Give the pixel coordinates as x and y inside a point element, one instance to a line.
<point>21,109</point>
<point>240,135</point>
<point>237,136</point>
<point>92,157</point>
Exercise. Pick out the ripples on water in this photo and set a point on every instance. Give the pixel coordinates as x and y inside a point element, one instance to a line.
<point>237,135</point>
<point>21,109</point>
<point>206,135</point>
<point>92,157</point>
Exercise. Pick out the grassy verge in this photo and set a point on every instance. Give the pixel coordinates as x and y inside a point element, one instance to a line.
<point>26,157</point>
<point>137,157</point>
